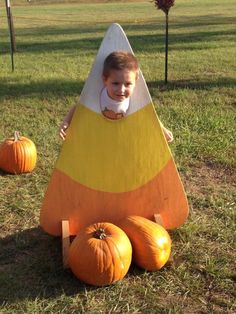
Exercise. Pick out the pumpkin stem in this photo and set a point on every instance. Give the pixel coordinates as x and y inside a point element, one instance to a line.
<point>100,234</point>
<point>16,136</point>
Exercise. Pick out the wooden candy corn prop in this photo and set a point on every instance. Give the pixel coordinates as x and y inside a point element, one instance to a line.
<point>109,169</point>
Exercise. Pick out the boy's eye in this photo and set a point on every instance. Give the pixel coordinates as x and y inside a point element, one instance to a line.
<point>128,84</point>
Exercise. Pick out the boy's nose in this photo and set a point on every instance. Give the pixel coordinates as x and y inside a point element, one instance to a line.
<point>122,88</point>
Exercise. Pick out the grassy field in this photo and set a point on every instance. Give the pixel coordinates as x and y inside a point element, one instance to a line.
<point>56,46</point>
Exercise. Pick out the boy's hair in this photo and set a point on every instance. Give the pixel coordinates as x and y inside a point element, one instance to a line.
<point>120,60</point>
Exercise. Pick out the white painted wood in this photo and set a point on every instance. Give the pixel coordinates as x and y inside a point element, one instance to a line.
<point>114,39</point>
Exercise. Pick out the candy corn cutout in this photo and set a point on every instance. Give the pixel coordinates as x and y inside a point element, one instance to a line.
<point>108,169</point>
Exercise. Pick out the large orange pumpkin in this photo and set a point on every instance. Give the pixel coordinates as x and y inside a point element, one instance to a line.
<point>101,254</point>
<point>151,242</point>
<point>17,154</point>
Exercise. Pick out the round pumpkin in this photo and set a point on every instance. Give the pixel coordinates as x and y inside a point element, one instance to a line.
<point>101,254</point>
<point>151,242</point>
<point>18,154</point>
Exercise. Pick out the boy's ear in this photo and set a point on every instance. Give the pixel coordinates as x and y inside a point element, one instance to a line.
<point>137,76</point>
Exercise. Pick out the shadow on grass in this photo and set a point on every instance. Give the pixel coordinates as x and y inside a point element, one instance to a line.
<point>62,29</point>
<point>39,89</point>
<point>192,84</point>
<point>146,42</point>
<point>3,173</point>
<point>59,88</point>
<point>151,25</point>
<point>31,266</point>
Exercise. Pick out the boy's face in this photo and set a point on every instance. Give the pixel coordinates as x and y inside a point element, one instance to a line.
<point>120,84</point>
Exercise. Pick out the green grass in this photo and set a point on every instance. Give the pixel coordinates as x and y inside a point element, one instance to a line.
<point>56,46</point>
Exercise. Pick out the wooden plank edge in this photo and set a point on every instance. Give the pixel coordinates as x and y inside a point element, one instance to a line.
<point>65,242</point>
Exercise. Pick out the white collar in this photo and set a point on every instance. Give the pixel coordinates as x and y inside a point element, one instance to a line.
<point>107,102</point>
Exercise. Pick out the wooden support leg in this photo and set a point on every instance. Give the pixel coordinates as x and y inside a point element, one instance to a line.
<point>65,242</point>
<point>158,219</point>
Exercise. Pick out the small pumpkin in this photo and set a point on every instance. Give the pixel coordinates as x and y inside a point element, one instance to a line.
<point>101,254</point>
<point>18,154</point>
<point>151,242</point>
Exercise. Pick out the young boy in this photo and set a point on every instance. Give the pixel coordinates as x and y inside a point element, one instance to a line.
<point>120,73</point>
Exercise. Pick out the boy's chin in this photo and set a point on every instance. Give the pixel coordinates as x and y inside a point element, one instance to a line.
<point>119,98</point>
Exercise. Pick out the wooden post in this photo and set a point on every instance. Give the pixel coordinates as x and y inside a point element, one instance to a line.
<point>166,54</point>
<point>158,219</point>
<point>11,31</point>
<point>65,242</point>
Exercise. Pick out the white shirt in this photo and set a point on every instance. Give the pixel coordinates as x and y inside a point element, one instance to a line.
<point>107,102</point>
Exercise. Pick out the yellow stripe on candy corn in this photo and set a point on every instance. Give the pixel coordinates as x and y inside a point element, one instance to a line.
<point>114,156</point>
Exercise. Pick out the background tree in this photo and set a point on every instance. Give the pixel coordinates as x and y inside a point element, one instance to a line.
<point>165,6</point>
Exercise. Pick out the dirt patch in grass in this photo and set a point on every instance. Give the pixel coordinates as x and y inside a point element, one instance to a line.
<point>205,177</point>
